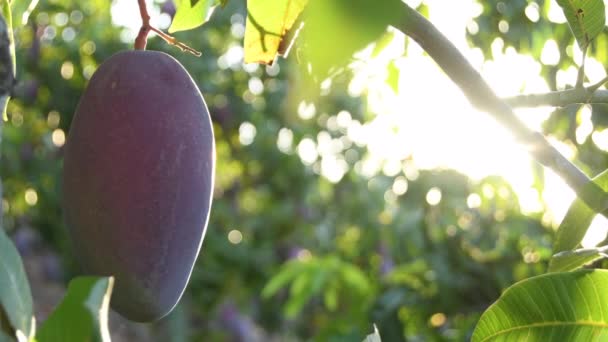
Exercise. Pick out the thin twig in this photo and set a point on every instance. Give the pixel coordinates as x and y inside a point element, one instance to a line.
<point>142,36</point>
<point>172,41</point>
<point>592,88</point>
<point>580,77</point>
<point>562,98</point>
<point>481,96</point>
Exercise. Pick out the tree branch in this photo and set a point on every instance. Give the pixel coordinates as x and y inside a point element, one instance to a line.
<point>560,98</point>
<point>481,96</point>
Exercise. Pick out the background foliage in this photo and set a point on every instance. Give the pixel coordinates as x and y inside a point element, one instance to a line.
<point>289,254</point>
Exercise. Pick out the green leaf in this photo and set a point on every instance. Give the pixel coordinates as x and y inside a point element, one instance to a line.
<point>191,15</point>
<point>21,10</point>
<point>267,23</point>
<point>178,323</point>
<point>571,260</point>
<point>319,279</point>
<point>571,306</point>
<point>83,313</point>
<point>586,19</point>
<point>577,220</point>
<point>300,292</point>
<point>330,296</point>
<point>287,273</point>
<point>354,278</point>
<point>336,29</point>
<point>373,337</point>
<point>316,276</point>
<point>409,274</point>
<point>392,79</point>
<point>3,105</point>
<point>383,42</point>
<point>5,338</point>
<point>15,295</point>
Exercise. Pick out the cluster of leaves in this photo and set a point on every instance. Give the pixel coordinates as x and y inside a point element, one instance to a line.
<point>566,302</point>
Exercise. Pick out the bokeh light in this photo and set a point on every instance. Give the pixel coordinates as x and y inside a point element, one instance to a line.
<point>235,236</point>
<point>31,196</point>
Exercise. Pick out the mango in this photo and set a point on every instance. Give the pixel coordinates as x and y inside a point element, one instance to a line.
<point>138,177</point>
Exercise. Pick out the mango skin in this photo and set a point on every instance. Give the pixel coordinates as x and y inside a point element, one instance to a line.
<point>138,180</point>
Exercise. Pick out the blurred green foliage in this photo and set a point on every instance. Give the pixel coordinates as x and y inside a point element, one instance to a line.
<point>289,254</point>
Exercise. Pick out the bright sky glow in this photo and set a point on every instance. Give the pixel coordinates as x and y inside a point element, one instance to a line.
<point>556,14</point>
<point>126,14</point>
<point>432,121</point>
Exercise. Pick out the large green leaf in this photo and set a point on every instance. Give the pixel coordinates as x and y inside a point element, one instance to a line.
<point>586,19</point>
<point>191,14</point>
<point>83,313</point>
<point>578,218</point>
<point>383,42</point>
<point>267,24</point>
<point>5,338</point>
<point>571,260</point>
<point>15,295</point>
<point>21,10</point>
<point>571,306</point>
<point>336,29</point>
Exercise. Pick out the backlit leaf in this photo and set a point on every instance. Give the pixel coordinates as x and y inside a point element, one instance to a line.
<point>571,260</point>
<point>570,306</point>
<point>267,23</point>
<point>190,14</point>
<point>383,42</point>
<point>586,19</point>
<point>335,30</point>
<point>578,218</point>
<point>392,79</point>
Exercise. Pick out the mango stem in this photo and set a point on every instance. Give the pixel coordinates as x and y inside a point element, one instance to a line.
<point>142,36</point>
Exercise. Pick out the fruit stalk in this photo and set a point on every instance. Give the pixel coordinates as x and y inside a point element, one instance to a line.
<point>142,36</point>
